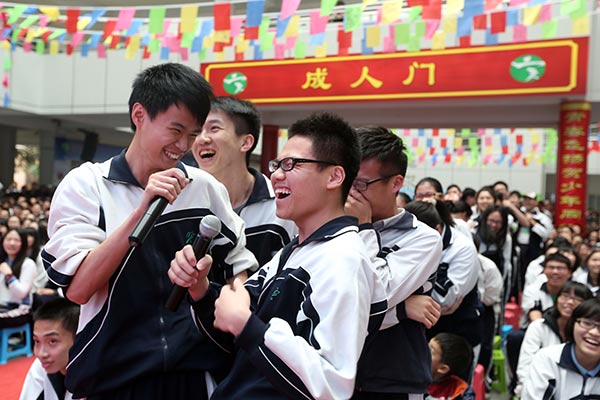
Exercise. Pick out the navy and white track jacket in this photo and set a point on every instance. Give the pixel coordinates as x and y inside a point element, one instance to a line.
<point>125,331</point>
<point>313,306</point>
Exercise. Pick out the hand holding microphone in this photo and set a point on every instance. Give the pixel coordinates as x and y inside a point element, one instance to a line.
<point>210,226</point>
<point>157,205</point>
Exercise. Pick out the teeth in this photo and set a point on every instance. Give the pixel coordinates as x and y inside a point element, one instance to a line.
<point>172,156</point>
<point>207,153</point>
<point>282,193</point>
<point>592,342</point>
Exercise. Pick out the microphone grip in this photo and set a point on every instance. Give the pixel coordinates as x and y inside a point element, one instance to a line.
<point>200,247</point>
<point>146,223</point>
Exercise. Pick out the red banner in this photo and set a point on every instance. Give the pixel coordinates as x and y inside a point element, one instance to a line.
<point>571,168</point>
<point>543,67</point>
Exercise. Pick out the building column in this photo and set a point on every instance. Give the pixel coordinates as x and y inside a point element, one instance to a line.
<point>8,152</point>
<point>46,143</point>
<point>269,147</point>
<point>571,166</point>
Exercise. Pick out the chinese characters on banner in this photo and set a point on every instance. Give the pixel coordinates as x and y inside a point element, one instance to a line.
<point>572,163</point>
<point>546,67</point>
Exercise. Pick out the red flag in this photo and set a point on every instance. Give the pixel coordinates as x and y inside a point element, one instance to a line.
<point>222,14</point>
<point>436,132</point>
<point>412,3</point>
<point>69,49</point>
<point>443,143</point>
<point>239,56</point>
<point>72,16</point>
<point>465,41</point>
<point>45,36</point>
<point>344,39</point>
<point>146,53</point>
<point>251,32</point>
<point>433,10</point>
<point>115,41</point>
<point>109,27</point>
<point>448,158</point>
<point>498,22</point>
<point>480,22</point>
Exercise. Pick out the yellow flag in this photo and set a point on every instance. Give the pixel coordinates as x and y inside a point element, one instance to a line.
<point>373,36</point>
<point>438,42</point>
<point>321,51</point>
<point>53,47</point>
<point>5,45</point>
<point>581,26</point>
<point>222,36</point>
<point>454,6</point>
<point>83,22</point>
<point>52,12</point>
<point>188,18</point>
<point>133,47</point>
<point>390,11</point>
<point>367,2</point>
<point>449,24</point>
<point>220,56</point>
<point>242,44</point>
<point>293,26</point>
<point>531,15</point>
<point>458,142</point>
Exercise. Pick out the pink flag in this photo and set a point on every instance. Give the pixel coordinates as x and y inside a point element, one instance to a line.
<point>125,17</point>
<point>288,8</point>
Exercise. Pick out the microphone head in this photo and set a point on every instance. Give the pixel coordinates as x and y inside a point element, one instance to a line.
<point>210,226</point>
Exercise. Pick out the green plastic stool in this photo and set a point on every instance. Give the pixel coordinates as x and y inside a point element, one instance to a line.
<point>499,362</point>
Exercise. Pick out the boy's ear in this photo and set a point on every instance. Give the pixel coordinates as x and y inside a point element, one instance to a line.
<point>138,113</point>
<point>443,369</point>
<point>336,177</point>
<point>247,143</point>
<point>398,182</point>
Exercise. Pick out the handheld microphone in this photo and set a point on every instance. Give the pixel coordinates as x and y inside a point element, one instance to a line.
<point>145,224</point>
<point>210,226</point>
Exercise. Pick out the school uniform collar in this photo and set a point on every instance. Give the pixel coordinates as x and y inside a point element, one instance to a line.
<point>447,237</point>
<point>402,221</point>
<point>120,172</point>
<point>328,231</point>
<point>567,361</point>
<point>260,191</point>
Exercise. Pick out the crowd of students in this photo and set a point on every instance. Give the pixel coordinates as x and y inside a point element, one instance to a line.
<point>325,281</point>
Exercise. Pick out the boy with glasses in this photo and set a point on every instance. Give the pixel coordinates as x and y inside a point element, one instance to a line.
<point>397,364</point>
<point>223,149</point>
<point>301,321</point>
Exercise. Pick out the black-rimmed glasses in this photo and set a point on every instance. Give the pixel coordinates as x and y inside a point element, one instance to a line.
<point>588,324</point>
<point>288,163</point>
<point>362,185</point>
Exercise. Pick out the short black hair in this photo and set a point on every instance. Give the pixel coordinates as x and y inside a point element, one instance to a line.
<point>589,309</point>
<point>333,140</point>
<point>386,147</point>
<point>500,183</point>
<point>468,192</point>
<point>460,206</point>
<point>457,353</point>
<point>437,185</point>
<point>559,258</point>
<point>61,310</point>
<point>431,214</point>
<point>159,87</point>
<point>243,114</point>
<point>453,185</point>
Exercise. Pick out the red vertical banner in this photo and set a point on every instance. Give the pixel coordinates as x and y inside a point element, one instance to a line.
<point>571,169</point>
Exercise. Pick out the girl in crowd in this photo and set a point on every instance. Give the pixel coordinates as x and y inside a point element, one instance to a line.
<point>484,198</point>
<point>495,242</point>
<point>570,370</point>
<point>591,277</point>
<point>17,272</point>
<point>550,329</point>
